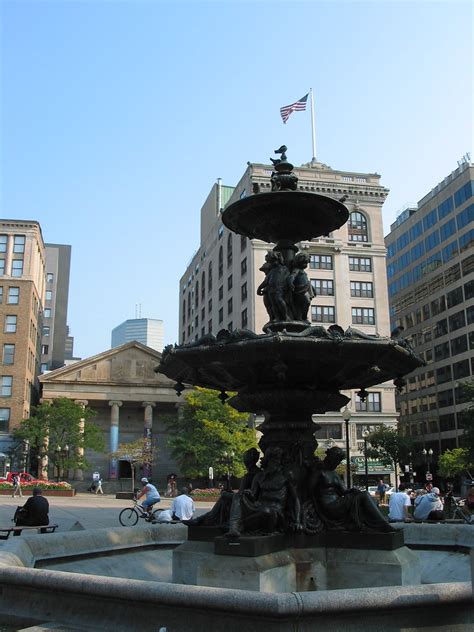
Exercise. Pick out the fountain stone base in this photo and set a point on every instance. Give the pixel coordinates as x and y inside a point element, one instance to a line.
<point>198,563</point>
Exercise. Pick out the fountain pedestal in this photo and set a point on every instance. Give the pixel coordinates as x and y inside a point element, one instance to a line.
<point>296,569</point>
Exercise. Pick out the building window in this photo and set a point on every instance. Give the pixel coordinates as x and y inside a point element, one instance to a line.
<point>6,386</point>
<point>455,297</point>
<point>243,292</point>
<point>360,264</point>
<point>229,306</point>
<point>456,321</point>
<point>461,370</point>
<point>19,243</point>
<point>13,295</point>
<point>184,310</point>
<point>230,326</point>
<point>221,262</point>
<point>209,326</point>
<point>8,354</point>
<point>1,294</point>
<point>221,292</point>
<point>49,295</point>
<point>220,232</point>
<point>244,318</point>
<point>3,243</point>
<point>229,282</point>
<point>323,314</point>
<point>196,294</point>
<point>203,285</point>
<point>221,315</point>
<point>320,262</point>
<point>44,349</point>
<point>358,227</point>
<point>209,277</point>
<point>10,324</point>
<point>371,405</point>
<point>243,267</point>
<point>363,289</point>
<point>4,419</point>
<point>46,330</point>
<point>2,267</point>
<point>441,328</point>
<point>49,277</point>
<point>17,267</point>
<point>47,311</point>
<point>441,352</point>
<point>323,287</point>
<point>229,250</point>
<point>209,306</point>
<point>44,366</point>
<point>458,345</point>
<point>243,243</point>
<point>203,314</point>
<point>329,431</point>
<point>363,316</point>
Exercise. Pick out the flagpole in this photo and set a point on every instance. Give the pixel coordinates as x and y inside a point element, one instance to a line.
<point>313,133</point>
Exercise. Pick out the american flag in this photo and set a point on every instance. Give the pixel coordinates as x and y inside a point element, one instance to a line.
<point>299,105</point>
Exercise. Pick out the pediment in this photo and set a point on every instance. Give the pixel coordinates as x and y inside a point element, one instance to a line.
<point>131,363</point>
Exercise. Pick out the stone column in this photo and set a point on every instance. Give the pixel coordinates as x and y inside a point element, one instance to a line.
<point>114,436</point>
<point>78,473</point>
<point>148,438</point>
<point>43,460</point>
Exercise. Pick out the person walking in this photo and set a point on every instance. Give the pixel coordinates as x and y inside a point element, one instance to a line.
<point>381,489</point>
<point>98,486</point>
<point>16,486</point>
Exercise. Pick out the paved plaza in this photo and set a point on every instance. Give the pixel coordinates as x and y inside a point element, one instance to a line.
<point>86,509</point>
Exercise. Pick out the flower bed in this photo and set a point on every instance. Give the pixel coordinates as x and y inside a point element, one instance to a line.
<point>212,493</point>
<point>49,488</point>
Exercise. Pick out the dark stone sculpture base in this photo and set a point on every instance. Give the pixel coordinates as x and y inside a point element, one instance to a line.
<point>201,533</point>
<point>250,546</point>
<point>253,546</point>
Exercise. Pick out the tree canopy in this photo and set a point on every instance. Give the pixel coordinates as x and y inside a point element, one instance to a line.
<point>59,425</point>
<point>390,447</point>
<point>204,431</point>
<point>454,462</point>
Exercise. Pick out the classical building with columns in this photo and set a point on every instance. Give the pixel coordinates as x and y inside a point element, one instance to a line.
<point>130,401</point>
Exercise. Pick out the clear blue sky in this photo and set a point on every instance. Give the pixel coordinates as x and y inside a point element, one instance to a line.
<point>117,117</point>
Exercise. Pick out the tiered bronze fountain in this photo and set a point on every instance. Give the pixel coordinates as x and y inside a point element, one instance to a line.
<point>289,373</point>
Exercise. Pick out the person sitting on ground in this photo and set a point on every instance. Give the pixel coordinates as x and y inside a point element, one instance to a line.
<point>398,505</point>
<point>182,506</point>
<point>152,497</point>
<point>35,512</point>
<point>430,506</point>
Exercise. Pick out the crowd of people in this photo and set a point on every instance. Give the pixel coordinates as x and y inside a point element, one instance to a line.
<point>426,503</point>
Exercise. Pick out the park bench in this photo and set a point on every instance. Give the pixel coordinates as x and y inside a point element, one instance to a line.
<point>45,528</point>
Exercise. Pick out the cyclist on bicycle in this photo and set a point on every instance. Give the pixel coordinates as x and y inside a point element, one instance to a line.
<point>152,496</point>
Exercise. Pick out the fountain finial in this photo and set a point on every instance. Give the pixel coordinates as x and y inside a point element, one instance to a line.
<point>283,178</point>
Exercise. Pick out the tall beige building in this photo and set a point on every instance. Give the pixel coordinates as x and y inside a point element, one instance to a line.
<point>22,291</point>
<point>347,271</point>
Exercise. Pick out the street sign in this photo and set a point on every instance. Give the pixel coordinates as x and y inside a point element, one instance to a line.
<point>373,466</point>
<point>429,476</point>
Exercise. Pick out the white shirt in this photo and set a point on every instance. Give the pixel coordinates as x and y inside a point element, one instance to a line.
<point>183,507</point>
<point>151,492</point>
<point>397,502</point>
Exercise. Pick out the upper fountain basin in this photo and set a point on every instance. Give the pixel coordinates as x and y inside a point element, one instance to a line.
<point>285,215</point>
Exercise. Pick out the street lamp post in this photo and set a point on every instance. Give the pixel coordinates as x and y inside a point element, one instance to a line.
<point>61,455</point>
<point>365,434</point>
<point>346,415</point>
<point>428,454</point>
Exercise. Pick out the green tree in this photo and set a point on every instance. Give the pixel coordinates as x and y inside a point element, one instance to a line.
<point>135,453</point>
<point>454,462</point>
<point>204,431</point>
<point>390,447</point>
<point>59,424</point>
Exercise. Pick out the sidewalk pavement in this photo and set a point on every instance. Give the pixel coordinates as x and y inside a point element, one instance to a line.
<point>87,510</point>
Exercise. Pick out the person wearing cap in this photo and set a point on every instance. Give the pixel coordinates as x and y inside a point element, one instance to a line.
<point>430,506</point>
<point>152,496</point>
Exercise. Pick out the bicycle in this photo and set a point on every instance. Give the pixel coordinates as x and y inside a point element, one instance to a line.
<point>129,516</point>
<point>458,513</point>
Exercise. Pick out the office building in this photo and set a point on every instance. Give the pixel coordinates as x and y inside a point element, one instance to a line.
<point>147,331</point>
<point>22,292</point>
<point>347,270</point>
<point>55,331</point>
<point>430,269</point>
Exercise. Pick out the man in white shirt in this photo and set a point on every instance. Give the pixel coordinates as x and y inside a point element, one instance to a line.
<point>398,506</point>
<point>183,506</point>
